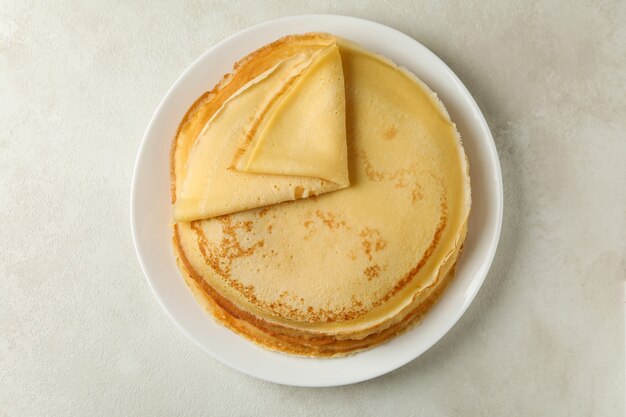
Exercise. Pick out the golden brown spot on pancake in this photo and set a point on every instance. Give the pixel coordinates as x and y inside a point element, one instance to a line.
<point>401,183</point>
<point>416,193</point>
<point>329,219</point>
<point>370,172</point>
<point>298,192</point>
<point>310,230</point>
<point>372,272</point>
<point>390,133</point>
<point>269,229</point>
<point>372,241</point>
<point>220,257</point>
<point>284,304</point>
<point>356,302</point>
<point>247,225</point>
<point>263,211</point>
<point>403,177</point>
<point>209,257</point>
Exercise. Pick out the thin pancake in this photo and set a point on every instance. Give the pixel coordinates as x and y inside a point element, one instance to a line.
<point>211,187</point>
<point>305,135</point>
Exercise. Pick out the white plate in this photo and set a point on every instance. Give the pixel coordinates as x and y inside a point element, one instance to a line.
<point>151,211</point>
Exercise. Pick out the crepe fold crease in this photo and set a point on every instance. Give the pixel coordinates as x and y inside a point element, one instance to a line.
<point>348,269</point>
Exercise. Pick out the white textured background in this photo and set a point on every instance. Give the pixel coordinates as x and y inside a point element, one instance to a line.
<point>81,333</point>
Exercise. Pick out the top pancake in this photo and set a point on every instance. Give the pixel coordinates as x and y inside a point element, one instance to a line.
<point>348,260</point>
<point>304,132</point>
<point>281,136</point>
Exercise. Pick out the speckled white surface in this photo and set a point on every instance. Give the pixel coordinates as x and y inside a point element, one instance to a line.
<point>81,333</point>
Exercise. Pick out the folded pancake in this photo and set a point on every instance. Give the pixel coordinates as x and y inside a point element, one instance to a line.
<point>346,270</point>
<point>305,135</point>
<point>289,150</point>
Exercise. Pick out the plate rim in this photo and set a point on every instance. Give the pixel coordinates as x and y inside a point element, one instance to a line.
<point>476,282</point>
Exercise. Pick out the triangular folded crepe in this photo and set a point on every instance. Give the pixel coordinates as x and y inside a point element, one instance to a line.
<point>274,101</point>
<point>304,134</point>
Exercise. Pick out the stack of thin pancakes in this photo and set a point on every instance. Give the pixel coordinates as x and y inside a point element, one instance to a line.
<point>321,197</point>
